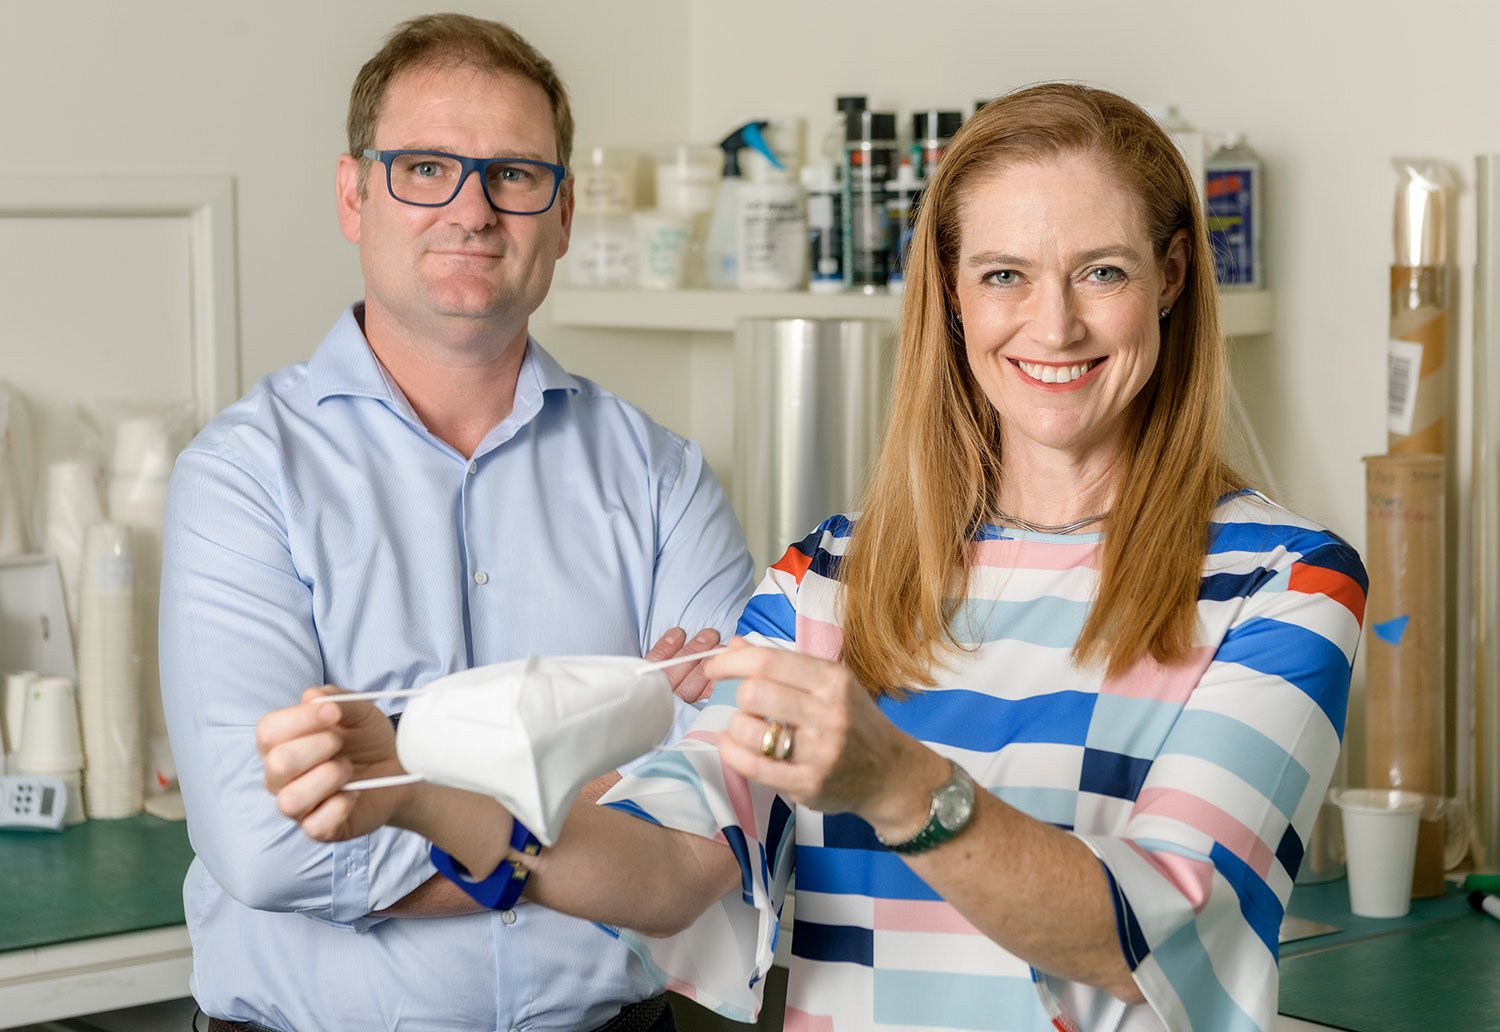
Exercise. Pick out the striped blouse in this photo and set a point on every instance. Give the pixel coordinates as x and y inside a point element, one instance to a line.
<point>1195,785</point>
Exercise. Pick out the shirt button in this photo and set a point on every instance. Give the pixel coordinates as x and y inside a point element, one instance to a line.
<point>473,468</point>
<point>480,577</point>
<point>508,916</point>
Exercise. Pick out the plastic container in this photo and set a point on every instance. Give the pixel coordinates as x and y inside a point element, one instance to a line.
<point>663,240</point>
<point>602,252</point>
<point>687,178</point>
<point>772,229</point>
<point>604,180</point>
<point>825,231</point>
<point>1232,193</point>
<point>870,155</point>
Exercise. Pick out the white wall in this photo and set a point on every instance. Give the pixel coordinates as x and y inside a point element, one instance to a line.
<point>259,91</point>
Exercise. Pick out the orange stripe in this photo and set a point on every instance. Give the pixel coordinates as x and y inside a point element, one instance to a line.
<point>1319,580</point>
<point>793,562</point>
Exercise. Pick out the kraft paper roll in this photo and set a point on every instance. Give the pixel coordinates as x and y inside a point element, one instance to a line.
<point>1418,364</point>
<point>1405,620</point>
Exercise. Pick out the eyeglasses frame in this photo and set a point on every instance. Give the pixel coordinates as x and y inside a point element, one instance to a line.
<point>466,166</point>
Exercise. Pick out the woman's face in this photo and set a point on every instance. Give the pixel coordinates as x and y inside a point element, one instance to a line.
<point>1060,292</point>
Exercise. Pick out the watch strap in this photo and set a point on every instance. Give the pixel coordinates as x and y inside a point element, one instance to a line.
<point>934,832</point>
<point>503,887</point>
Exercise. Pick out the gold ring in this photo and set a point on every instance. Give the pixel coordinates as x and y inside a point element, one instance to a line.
<point>784,744</point>
<point>769,740</point>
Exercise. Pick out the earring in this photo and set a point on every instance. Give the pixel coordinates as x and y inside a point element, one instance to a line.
<point>1163,313</point>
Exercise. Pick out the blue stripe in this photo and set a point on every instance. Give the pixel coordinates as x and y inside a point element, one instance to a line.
<point>1133,944</point>
<point>633,808</point>
<point>1134,727</point>
<point>1112,774</point>
<point>1267,537</point>
<point>1221,587</point>
<point>725,693</point>
<point>1289,852</point>
<point>858,872</point>
<point>771,614</point>
<point>1244,752</point>
<point>780,823</point>
<point>940,999</point>
<point>1057,806</point>
<point>1341,559</point>
<point>834,944</point>
<point>1304,658</point>
<point>1259,905</point>
<point>1186,963</point>
<point>846,831</point>
<point>670,763</point>
<point>1048,621</point>
<point>968,719</point>
<point>741,849</point>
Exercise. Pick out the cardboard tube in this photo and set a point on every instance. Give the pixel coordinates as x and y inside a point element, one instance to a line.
<point>1404,747</point>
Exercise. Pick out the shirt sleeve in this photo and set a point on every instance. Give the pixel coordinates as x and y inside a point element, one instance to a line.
<point>723,959</point>
<point>1202,874</point>
<point>237,640</point>
<point>703,569</point>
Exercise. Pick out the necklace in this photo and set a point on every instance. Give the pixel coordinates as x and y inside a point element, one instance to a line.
<point>1042,528</point>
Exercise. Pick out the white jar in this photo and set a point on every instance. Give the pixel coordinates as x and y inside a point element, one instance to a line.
<point>663,240</point>
<point>687,178</point>
<point>604,180</point>
<point>602,251</point>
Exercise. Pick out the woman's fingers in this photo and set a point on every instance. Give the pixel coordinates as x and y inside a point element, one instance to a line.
<point>776,701</point>
<point>805,673</point>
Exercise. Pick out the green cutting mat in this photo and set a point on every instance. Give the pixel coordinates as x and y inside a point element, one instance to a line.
<point>97,878</point>
<point>1444,975</point>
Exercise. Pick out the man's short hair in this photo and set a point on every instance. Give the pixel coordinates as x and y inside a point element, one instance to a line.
<point>447,41</point>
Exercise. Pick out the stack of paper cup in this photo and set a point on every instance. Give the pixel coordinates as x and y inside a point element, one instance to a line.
<point>138,480</point>
<point>72,506</point>
<point>49,738</point>
<point>109,684</point>
<point>16,686</point>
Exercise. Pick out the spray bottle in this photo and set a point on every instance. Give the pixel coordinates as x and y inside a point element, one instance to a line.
<point>721,252</point>
<point>773,223</point>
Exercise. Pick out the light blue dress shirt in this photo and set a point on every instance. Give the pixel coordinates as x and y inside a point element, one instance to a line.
<point>317,533</point>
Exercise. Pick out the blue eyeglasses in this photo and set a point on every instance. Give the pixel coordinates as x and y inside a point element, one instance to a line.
<point>431,179</point>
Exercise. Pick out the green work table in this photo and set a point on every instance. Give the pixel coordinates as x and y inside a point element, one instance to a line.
<point>1436,968</point>
<point>92,918</point>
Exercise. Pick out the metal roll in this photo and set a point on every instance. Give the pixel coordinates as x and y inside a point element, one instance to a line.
<point>810,401</point>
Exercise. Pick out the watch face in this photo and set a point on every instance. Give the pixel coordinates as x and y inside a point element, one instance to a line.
<point>954,805</point>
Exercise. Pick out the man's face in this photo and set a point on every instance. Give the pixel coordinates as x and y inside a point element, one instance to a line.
<point>426,269</point>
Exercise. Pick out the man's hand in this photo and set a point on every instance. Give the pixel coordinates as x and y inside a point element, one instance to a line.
<point>688,679</point>
<point>311,751</point>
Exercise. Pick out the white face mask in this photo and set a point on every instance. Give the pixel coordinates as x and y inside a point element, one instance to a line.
<point>532,732</point>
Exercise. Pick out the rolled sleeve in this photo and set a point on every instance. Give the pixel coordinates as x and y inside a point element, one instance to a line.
<point>237,640</point>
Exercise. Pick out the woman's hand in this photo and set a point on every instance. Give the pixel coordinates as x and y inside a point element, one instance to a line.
<point>846,756</point>
<point>312,750</point>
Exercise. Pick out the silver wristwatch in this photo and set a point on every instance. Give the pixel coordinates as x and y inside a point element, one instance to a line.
<point>950,812</point>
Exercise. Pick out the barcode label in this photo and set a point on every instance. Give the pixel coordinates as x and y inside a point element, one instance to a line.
<point>1403,372</point>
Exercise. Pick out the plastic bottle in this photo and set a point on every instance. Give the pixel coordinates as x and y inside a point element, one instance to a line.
<point>1232,192</point>
<point>773,226</point>
<point>1189,140</point>
<point>721,251</point>
<point>901,206</point>
<point>825,248</point>
<point>930,133</point>
<point>870,154</point>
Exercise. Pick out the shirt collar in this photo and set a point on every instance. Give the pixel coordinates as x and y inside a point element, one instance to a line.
<point>344,365</point>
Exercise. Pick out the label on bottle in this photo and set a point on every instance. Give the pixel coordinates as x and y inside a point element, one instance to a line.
<point>1231,225</point>
<point>867,224</point>
<point>1404,369</point>
<point>771,236</point>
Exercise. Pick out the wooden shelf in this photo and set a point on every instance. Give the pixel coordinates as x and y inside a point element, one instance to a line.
<point>1245,313</point>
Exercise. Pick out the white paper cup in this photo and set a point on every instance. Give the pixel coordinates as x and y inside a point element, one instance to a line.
<point>1380,841</point>
<point>15,708</point>
<point>50,743</point>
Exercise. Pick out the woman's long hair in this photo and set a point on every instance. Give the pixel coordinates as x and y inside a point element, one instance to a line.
<point>936,479</point>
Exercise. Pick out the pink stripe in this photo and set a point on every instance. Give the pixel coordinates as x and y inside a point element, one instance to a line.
<point>916,915</point>
<point>1148,679</point>
<point>801,1021</point>
<point>1193,878</point>
<point>1177,805</point>
<point>819,638</point>
<point>682,988</point>
<point>711,737</point>
<point>1037,555</point>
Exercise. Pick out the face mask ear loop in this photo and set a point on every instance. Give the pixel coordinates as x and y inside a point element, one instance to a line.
<point>679,660</point>
<point>395,693</point>
<point>395,779</point>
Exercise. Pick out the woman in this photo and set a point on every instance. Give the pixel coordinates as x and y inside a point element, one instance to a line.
<point>1057,588</point>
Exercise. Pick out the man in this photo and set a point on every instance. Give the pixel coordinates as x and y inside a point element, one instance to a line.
<point>428,493</point>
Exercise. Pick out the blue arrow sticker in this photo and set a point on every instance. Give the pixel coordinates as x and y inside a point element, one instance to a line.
<point>1392,630</point>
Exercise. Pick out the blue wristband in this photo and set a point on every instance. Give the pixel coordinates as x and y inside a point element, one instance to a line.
<point>504,886</point>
